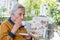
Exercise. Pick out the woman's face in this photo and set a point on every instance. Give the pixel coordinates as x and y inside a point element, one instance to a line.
<point>19,14</point>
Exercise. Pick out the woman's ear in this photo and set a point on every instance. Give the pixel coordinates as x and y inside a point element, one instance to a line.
<point>13,16</point>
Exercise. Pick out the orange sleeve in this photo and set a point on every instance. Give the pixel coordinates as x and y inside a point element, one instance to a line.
<point>4,33</point>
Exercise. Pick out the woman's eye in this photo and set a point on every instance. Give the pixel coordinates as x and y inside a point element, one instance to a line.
<point>20,14</point>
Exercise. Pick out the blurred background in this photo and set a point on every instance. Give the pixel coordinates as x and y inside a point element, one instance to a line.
<point>33,8</point>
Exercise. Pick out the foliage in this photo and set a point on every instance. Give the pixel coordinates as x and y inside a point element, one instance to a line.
<point>35,5</point>
<point>2,11</point>
<point>31,5</point>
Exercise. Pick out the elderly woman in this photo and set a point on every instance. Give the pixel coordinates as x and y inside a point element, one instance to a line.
<point>10,29</point>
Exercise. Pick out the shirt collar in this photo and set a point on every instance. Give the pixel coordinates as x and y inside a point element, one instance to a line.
<point>11,21</point>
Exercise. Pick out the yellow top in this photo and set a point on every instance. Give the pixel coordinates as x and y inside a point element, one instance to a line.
<point>6,27</point>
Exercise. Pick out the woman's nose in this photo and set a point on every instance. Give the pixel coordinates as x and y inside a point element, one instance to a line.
<point>22,17</point>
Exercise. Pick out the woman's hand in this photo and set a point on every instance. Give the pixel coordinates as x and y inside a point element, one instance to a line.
<point>35,38</point>
<point>16,26</point>
<point>28,37</point>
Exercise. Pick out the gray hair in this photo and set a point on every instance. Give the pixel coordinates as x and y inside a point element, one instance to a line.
<point>16,7</point>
